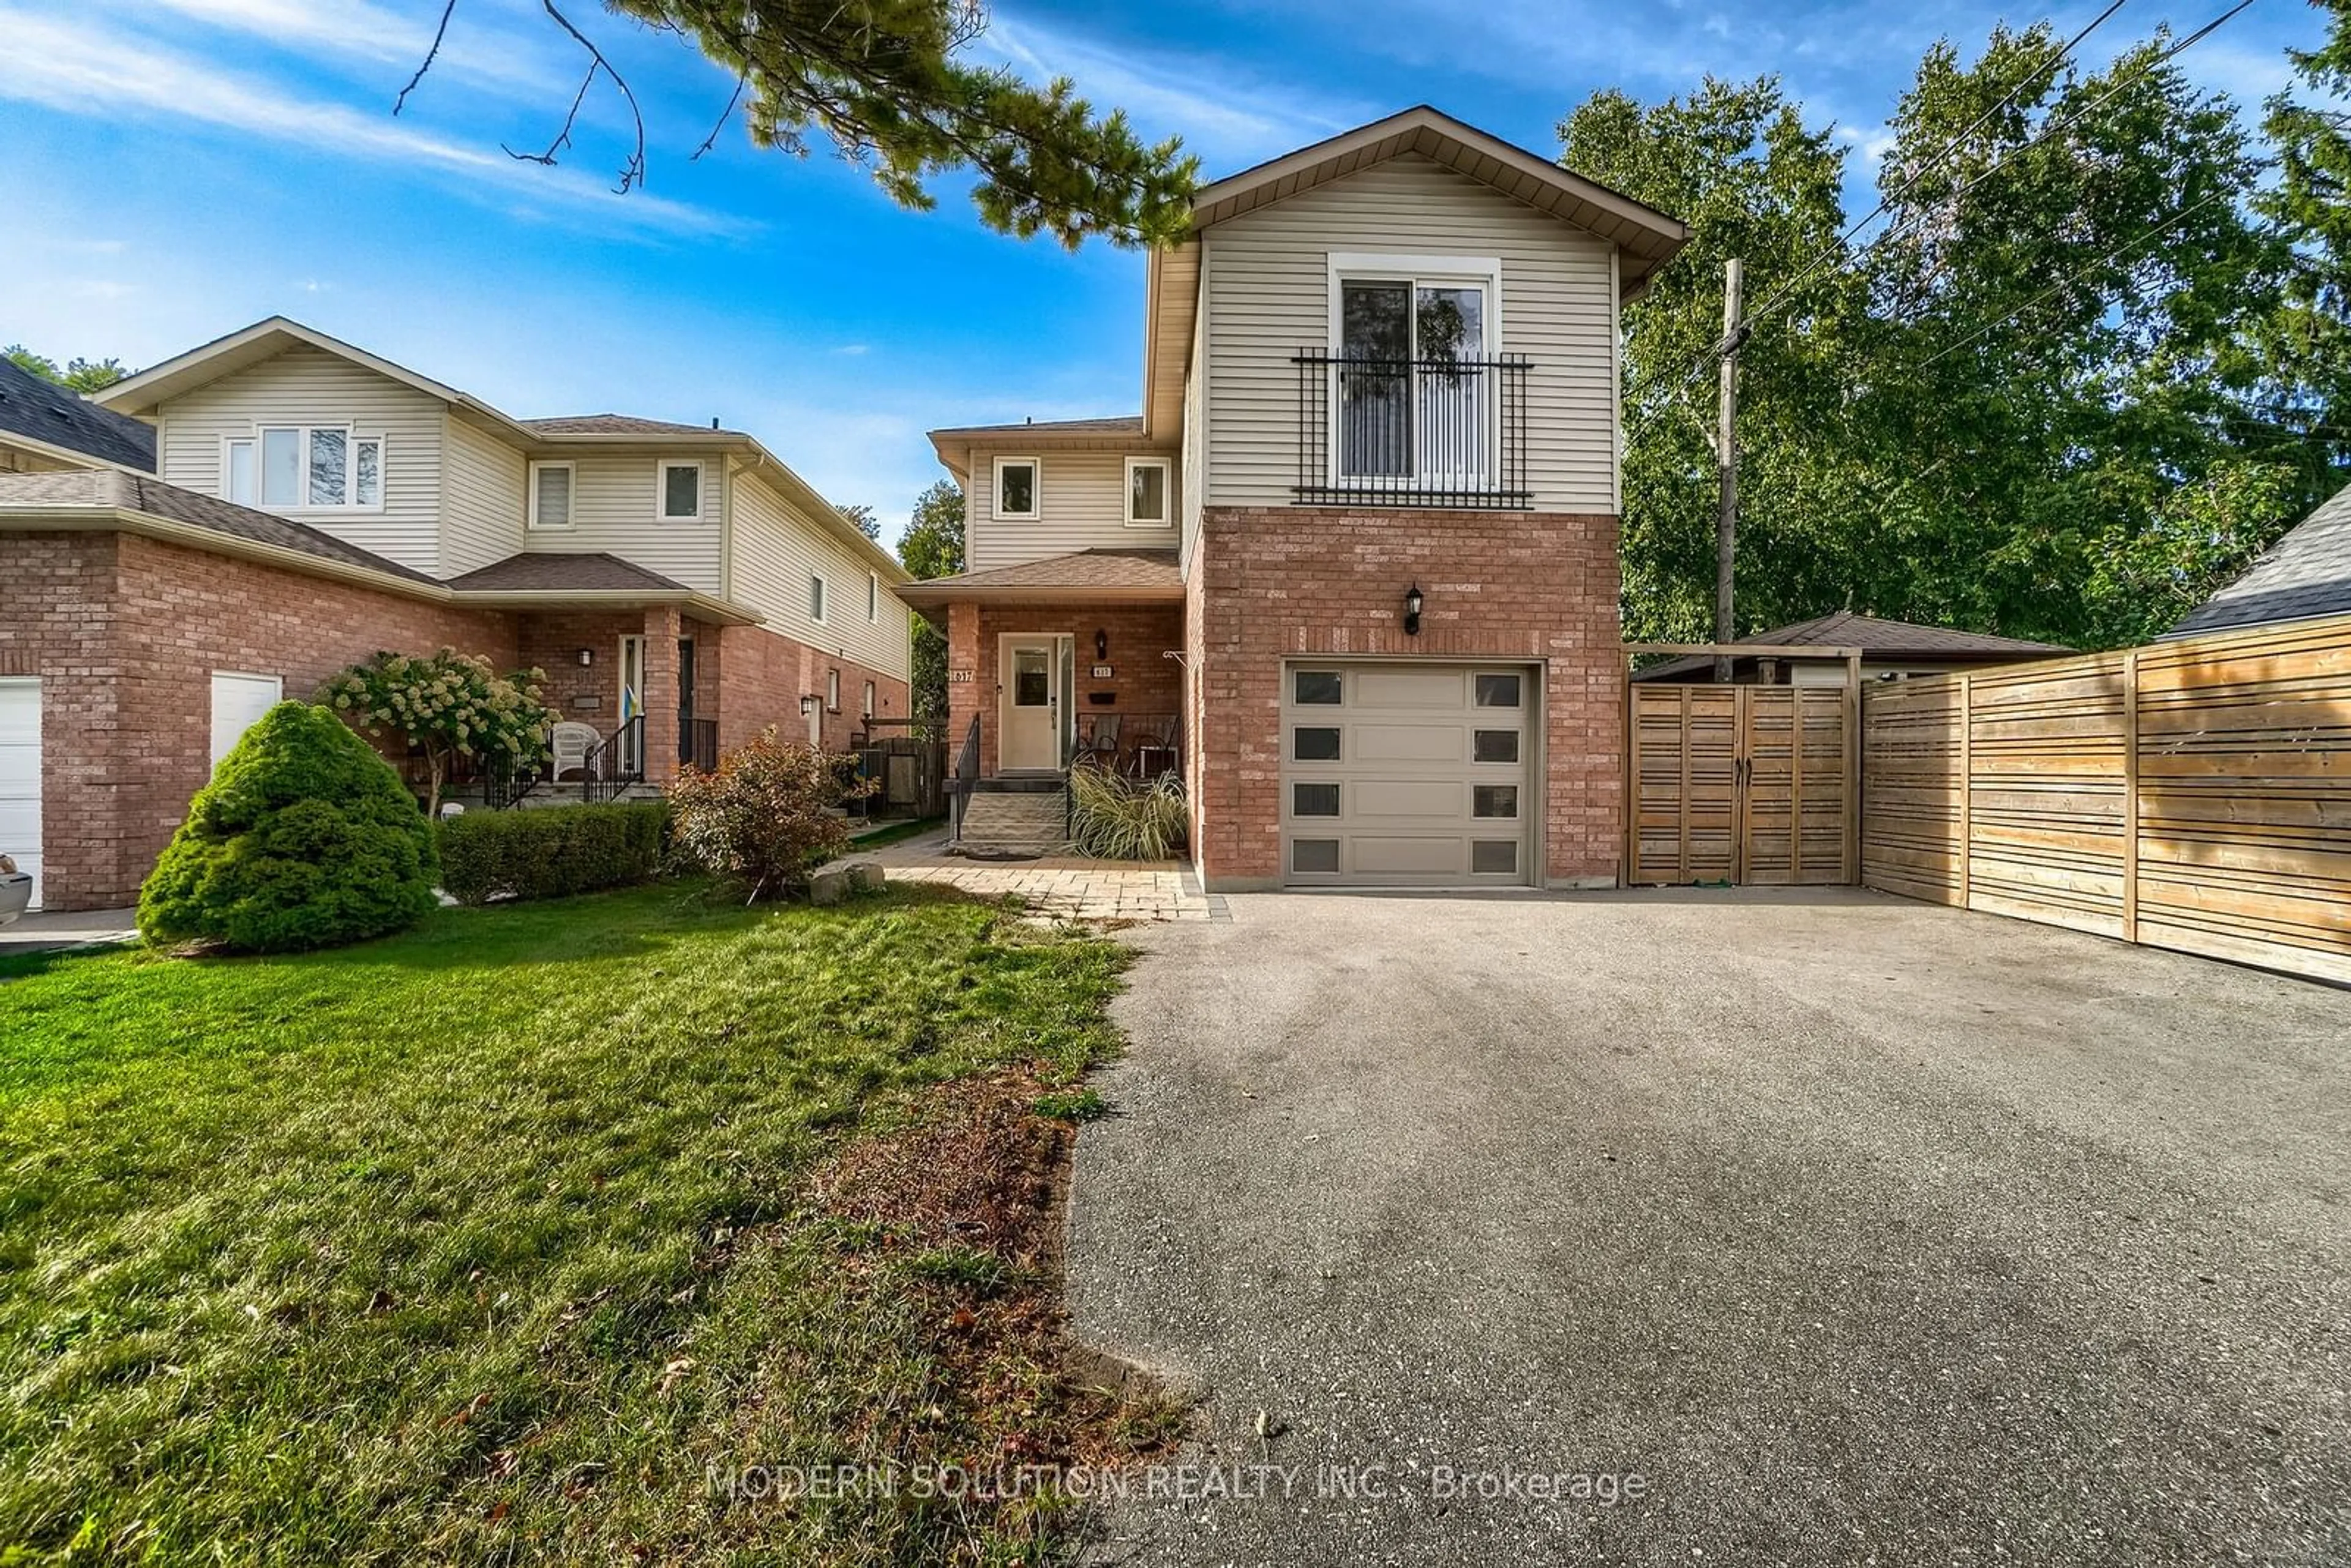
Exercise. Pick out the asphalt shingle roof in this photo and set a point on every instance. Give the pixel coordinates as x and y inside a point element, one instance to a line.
<point>618,424</point>
<point>1876,638</point>
<point>1086,568</point>
<point>48,413</point>
<point>112,490</point>
<point>548,572</point>
<point>2306,573</point>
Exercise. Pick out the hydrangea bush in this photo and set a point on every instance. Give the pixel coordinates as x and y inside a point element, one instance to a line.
<point>446,704</point>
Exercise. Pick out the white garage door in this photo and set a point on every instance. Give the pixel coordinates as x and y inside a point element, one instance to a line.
<point>20,776</point>
<point>238,703</point>
<point>1408,774</point>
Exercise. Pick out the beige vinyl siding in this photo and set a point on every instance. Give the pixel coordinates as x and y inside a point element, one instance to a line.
<point>481,498</point>
<point>1266,296</point>
<point>776,550</point>
<point>615,508</point>
<point>306,386</point>
<point>1196,382</point>
<point>1080,505</point>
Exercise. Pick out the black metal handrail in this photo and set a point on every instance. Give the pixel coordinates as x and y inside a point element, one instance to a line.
<point>966,774</point>
<point>698,744</point>
<point>609,769</point>
<point>1412,432</point>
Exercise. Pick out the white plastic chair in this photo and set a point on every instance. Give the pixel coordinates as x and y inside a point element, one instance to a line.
<point>572,741</point>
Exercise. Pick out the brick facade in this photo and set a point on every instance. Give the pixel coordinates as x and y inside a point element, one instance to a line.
<point>1144,684</point>
<point>1270,584</point>
<point>125,633</point>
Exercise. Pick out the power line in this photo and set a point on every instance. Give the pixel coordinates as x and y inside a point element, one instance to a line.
<point>1836,247</point>
<point>1990,327</point>
<point>2000,162</point>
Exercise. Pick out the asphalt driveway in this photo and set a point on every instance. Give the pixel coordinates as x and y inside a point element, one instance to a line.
<point>1858,1230</point>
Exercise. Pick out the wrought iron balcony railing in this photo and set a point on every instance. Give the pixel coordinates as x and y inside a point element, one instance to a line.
<point>1412,432</point>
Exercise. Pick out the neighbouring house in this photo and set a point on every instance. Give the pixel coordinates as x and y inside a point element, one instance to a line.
<point>44,427</point>
<point>1889,649</point>
<point>1355,563</point>
<point>312,503</point>
<point>2306,574</point>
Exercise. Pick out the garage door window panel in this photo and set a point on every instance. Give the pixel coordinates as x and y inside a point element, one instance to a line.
<point>1314,800</point>
<point>1315,743</point>
<point>1494,745</point>
<point>1491,857</point>
<point>1492,801</point>
<point>1498,691</point>
<point>1314,857</point>
<point>1319,688</point>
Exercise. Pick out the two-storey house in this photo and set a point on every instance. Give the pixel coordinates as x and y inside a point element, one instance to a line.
<point>1353,567</point>
<point>312,503</point>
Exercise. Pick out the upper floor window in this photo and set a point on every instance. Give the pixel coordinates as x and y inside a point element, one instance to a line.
<point>1016,486</point>
<point>872,597</point>
<point>816,599</point>
<point>298,466</point>
<point>550,496</point>
<point>1146,492</point>
<point>681,491</point>
<point>1416,382</point>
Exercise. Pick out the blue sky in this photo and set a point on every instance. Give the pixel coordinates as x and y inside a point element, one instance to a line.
<point>180,168</point>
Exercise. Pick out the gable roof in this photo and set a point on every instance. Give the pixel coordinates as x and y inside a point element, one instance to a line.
<point>1647,238</point>
<point>49,415</point>
<point>2306,573</point>
<point>265,339</point>
<point>1876,639</point>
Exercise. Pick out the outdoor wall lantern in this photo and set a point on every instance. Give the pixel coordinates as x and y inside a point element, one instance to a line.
<point>587,657</point>
<point>809,704</point>
<point>1412,610</point>
<point>1102,644</point>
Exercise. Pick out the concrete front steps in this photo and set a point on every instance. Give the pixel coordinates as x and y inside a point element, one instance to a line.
<point>1006,819</point>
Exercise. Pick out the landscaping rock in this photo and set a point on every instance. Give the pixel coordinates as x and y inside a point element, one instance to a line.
<point>866,876</point>
<point>830,885</point>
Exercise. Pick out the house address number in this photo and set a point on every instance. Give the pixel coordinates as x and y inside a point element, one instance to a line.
<point>959,676</point>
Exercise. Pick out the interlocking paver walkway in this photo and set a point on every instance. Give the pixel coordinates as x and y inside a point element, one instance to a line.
<point>1066,887</point>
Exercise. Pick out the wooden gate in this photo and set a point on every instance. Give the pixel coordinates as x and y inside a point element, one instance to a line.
<point>1745,784</point>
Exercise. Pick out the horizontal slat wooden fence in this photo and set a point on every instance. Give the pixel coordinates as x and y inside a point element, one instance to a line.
<point>2193,795</point>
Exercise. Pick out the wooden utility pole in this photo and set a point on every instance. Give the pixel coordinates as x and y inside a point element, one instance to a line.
<point>1726,466</point>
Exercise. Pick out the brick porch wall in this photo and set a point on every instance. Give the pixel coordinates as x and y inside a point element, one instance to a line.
<point>763,676</point>
<point>125,633</point>
<point>1526,587</point>
<point>1143,683</point>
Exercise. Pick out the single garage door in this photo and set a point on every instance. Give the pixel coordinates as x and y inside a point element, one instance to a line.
<point>1408,774</point>
<point>20,776</point>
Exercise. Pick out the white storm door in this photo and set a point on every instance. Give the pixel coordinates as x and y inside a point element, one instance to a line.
<point>238,702</point>
<point>1031,706</point>
<point>20,776</point>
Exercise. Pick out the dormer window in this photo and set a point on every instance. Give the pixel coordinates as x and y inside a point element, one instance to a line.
<point>1016,488</point>
<point>681,492</point>
<point>300,467</point>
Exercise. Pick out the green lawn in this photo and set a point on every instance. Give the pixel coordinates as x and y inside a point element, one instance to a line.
<point>487,1242</point>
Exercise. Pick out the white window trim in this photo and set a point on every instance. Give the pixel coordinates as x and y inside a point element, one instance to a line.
<point>870,697</point>
<point>662,465</point>
<point>820,597</point>
<point>530,519</point>
<point>873,598</point>
<point>1036,491</point>
<point>833,691</point>
<point>352,436</point>
<point>1166,467</point>
<point>1382,267</point>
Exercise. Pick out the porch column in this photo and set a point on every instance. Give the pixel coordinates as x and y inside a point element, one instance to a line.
<point>974,692</point>
<point>663,624</point>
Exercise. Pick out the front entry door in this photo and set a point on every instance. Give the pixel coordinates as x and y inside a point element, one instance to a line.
<point>1031,705</point>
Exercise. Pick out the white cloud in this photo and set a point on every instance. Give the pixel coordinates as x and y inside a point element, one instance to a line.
<point>1223,111</point>
<point>363,30</point>
<point>76,69</point>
